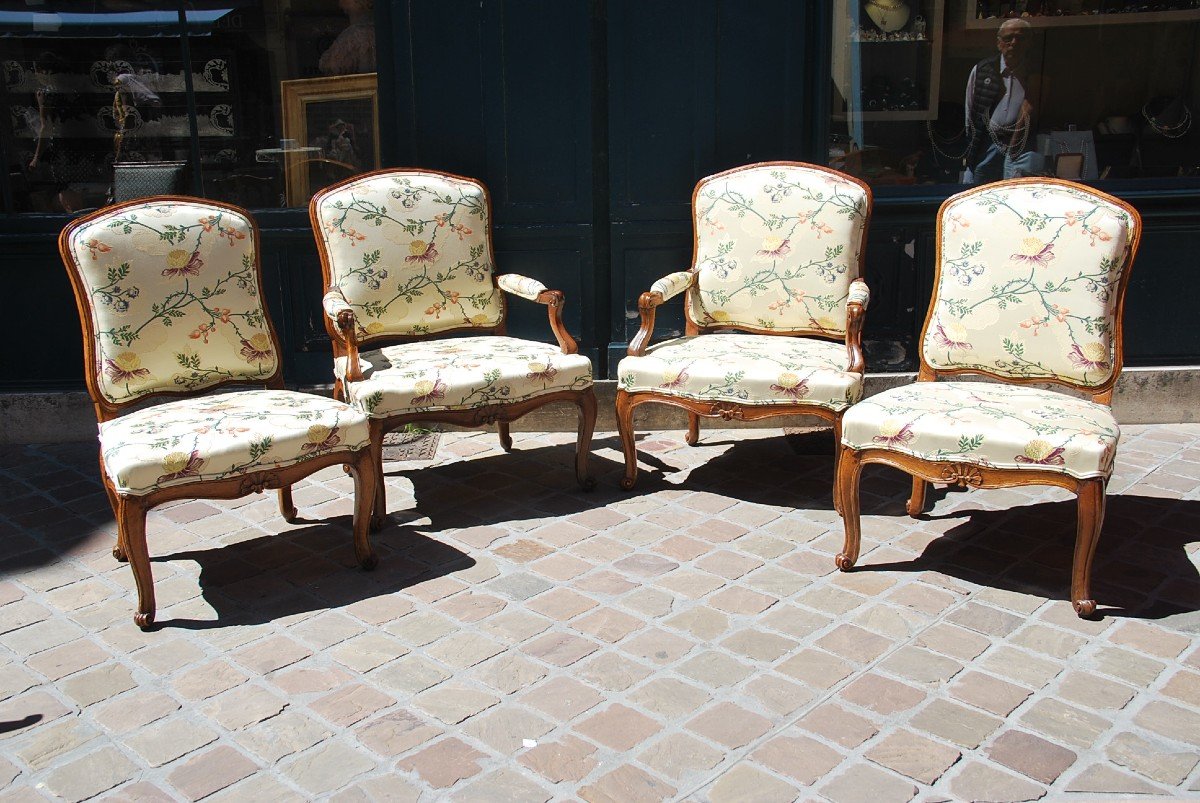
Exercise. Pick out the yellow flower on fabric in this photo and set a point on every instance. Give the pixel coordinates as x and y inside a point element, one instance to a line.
<point>1096,352</point>
<point>125,367</point>
<point>825,322</point>
<point>178,258</point>
<point>480,319</point>
<point>317,433</point>
<point>788,380</point>
<point>1031,246</point>
<point>416,247</point>
<point>1038,450</point>
<point>890,428</point>
<point>423,388</point>
<point>174,462</point>
<point>374,328</point>
<point>537,367</point>
<point>720,316</point>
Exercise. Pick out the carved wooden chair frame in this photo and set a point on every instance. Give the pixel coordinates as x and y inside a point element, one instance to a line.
<point>130,510</point>
<point>1090,492</point>
<point>648,302</point>
<point>343,333</point>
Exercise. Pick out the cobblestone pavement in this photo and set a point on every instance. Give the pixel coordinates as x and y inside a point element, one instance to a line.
<point>524,641</point>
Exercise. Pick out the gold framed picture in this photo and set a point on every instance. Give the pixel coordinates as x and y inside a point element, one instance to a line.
<point>330,131</point>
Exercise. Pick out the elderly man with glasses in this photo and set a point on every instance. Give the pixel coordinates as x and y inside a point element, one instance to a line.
<point>999,109</point>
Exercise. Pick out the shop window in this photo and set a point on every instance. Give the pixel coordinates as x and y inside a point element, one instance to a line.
<point>970,91</point>
<point>255,103</point>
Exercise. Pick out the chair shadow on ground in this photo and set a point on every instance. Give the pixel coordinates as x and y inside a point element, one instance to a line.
<point>309,568</point>
<point>1142,569</point>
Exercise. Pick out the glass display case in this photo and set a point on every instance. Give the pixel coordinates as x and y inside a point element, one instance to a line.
<point>887,59</point>
<point>128,97</point>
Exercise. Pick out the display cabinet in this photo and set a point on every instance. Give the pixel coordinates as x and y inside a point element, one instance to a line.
<point>887,59</point>
<point>1070,13</point>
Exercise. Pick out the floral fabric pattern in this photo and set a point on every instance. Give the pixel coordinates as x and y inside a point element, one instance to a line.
<point>334,304</point>
<point>672,284</point>
<point>222,436</point>
<point>777,247</point>
<point>158,271</point>
<point>521,286</point>
<point>746,369</point>
<point>986,424</point>
<point>462,374</point>
<point>1027,283</point>
<point>410,253</point>
<point>859,293</point>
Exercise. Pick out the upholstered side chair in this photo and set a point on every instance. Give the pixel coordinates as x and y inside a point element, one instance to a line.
<point>408,263</point>
<point>774,304</point>
<point>1029,288</point>
<point>169,291</point>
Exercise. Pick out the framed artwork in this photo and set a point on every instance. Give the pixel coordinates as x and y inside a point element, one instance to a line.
<point>330,131</point>
<point>1068,165</point>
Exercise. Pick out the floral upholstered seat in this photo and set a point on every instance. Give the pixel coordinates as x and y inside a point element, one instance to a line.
<point>170,298</point>
<point>463,374</point>
<point>774,304</point>
<point>407,259</point>
<point>748,369</point>
<point>997,426</point>
<point>228,435</point>
<point>1029,288</point>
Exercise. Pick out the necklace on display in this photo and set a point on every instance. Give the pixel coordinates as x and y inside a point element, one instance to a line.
<point>888,15</point>
<point>935,139</point>
<point>1170,131</point>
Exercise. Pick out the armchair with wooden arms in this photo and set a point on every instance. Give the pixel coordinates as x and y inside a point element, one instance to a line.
<point>774,304</point>
<point>169,291</point>
<point>1029,289</point>
<point>407,260</point>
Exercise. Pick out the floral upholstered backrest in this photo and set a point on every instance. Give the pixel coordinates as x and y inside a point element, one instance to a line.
<point>1029,282</point>
<point>777,246</point>
<point>172,290</point>
<point>411,252</point>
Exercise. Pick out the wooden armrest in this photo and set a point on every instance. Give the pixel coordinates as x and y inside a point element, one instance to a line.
<point>344,329</point>
<point>665,288</point>
<point>856,314</point>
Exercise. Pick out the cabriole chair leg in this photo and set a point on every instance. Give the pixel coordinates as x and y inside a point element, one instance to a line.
<point>1090,518</point>
<point>583,443</point>
<point>916,502</point>
<point>628,444</point>
<point>693,434</point>
<point>287,508</point>
<point>367,478</point>
<point>505,437</point>
<point>132,523</point>
<point>846,485</point>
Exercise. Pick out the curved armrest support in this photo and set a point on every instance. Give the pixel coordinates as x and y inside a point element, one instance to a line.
<point>345,327</point>
<point>519,285</point>
<point>535,291</point>
<point>856,313</point>
<point>667,287</point>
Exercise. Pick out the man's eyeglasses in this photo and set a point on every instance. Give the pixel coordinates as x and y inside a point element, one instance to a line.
<point>1011,37</point>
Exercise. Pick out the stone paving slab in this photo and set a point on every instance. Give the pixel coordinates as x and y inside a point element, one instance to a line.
<point>524,641</point>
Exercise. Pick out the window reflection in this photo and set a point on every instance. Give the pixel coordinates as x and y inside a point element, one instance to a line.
<point>970,91</point>
<point>110,100</point>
